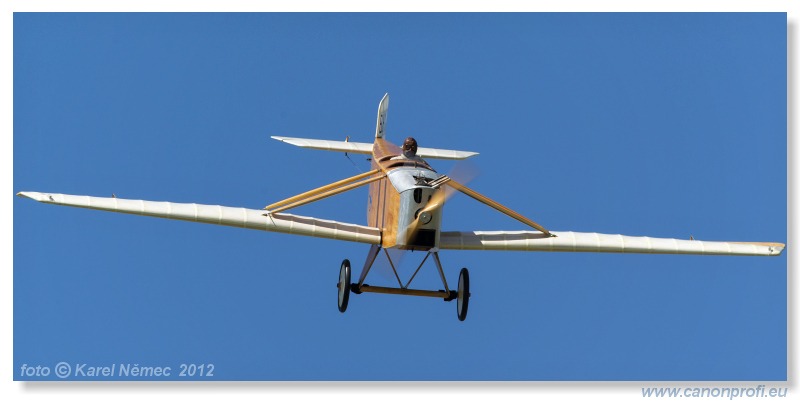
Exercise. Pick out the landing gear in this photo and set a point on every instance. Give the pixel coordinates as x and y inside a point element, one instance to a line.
<point>461,295</point>
<point>344,285</point>
<point>462,301</point>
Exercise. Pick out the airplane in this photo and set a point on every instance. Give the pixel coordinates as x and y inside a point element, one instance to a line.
<point>405,208</point>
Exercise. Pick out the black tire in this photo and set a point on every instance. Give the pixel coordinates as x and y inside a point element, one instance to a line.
<point>462,300</point>
<point>343,285</point>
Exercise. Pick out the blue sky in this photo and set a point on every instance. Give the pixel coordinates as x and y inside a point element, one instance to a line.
<point>665,125</point>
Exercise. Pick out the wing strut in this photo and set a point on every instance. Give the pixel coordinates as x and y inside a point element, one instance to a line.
<point>323,192</point>
<point>493,204</point>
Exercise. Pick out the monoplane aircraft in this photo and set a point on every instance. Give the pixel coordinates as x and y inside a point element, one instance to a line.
<point>406,199</point>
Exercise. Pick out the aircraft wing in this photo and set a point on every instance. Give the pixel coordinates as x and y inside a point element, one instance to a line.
<point>220,215</point>
<point>594,242</point>
<point>366,148</point>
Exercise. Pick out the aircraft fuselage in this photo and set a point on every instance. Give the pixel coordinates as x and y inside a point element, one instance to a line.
<point>396,202</point>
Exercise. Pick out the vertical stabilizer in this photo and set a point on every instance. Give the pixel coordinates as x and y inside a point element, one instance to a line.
<point>383,109</point>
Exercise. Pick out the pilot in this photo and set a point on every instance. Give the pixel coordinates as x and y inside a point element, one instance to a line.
<point>409,151</point>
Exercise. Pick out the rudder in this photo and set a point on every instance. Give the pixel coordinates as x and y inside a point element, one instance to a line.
<point>383,109</point>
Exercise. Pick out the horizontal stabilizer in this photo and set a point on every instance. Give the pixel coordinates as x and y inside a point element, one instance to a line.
<point>594,242</point>
<point>220,215</point>
<point>327,145</point>
<point>366,148</point>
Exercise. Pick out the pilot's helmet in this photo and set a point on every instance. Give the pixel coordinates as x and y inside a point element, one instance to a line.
<point>410,147</point>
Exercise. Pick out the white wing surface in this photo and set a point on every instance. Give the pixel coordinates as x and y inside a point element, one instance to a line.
<point>366,148</point>
<point>594,242</point>
<point>220,215</point>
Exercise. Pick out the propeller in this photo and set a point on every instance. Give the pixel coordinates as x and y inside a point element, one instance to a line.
<point>463,171</point>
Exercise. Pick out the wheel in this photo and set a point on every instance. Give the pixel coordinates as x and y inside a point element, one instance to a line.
<point>462,301</point>
<point>344,285</point>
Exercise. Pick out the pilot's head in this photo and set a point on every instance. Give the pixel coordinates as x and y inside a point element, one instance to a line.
<point>410,147</point>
